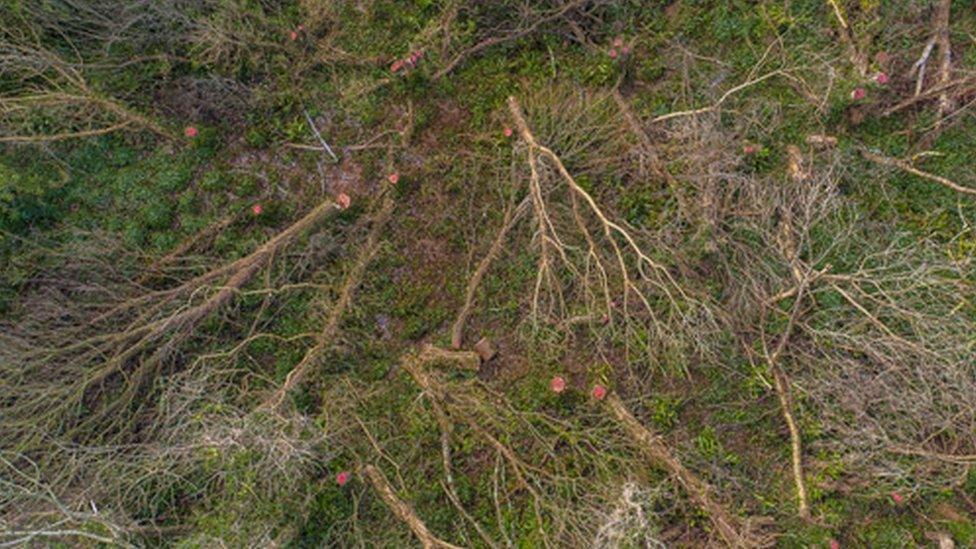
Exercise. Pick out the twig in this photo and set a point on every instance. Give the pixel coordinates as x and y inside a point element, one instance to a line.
<point>325,146</point>
<point>657,166</point>
<point>452,495</point>
<point>877,322</point>
<point>186,245</point>
<point>858,59</point>
<point>721,99</point>
<point>969,459</point>
<point>931,92</point>
<point>838,13</point>
<point>25,537</point>
<point>920,64</point>
<point>63,136</point>
<point>466,360</point>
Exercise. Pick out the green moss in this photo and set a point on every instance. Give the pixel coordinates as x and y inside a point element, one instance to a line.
<point>665,411</point>
<point>685,55</point>
<point>886,533</point>
<point>963,532</point>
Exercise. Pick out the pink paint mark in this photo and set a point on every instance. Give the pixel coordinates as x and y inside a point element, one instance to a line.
<point>190,132</point>
<point>613,53</point>
<point>599,392</point>
<point>881,78</point>
<point>343,201</point>
<point>558,384</point>
<point>257,209</point>
<point>858,93</point>
<point>343,477</point>
<point>834,544</point>
<point>507,131</point>
<point>393,178</point>
<point>897,498</point>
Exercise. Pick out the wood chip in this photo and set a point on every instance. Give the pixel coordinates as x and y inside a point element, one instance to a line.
<point>485,349</point>
<point>795,167</point>
<point>822,140</point>
<point>465,360</point>
<point>943,540</point>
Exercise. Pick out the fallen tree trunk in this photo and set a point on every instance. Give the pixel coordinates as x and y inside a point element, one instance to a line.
<point>95,382</point>
<point>903,165</point>
<point>403,510</point>
<point>728,526</point>
<point>512,217</point>
<point>331,325</point>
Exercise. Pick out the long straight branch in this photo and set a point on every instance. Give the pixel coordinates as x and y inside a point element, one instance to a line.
<point>728,526</point>
<point>403,510</point>
<point>782,385</point>
<point>512,217</point>
<point>941,24</point>
<point>331,325</point>
<point>902,165</point>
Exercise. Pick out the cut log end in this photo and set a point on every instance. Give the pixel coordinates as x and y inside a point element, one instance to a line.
<point>486,351</point>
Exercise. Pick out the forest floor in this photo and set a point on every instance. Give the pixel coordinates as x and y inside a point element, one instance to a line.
<point>565,273</point>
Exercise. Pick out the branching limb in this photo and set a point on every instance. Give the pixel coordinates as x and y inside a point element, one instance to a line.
<point>414,365</point>
<point>610,228</point>
<point>449,486</point>
<point>102,399</point>
<point>589,260</point>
